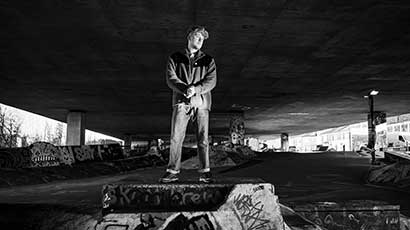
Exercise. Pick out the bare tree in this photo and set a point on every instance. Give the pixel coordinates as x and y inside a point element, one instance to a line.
<point>58,134</point>
<point>36,138</point>
<point>48,135</point>
<point>10,129</point>
<point>24,140</point>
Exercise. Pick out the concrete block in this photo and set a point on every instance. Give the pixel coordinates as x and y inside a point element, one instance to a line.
<point>397,156</point>
<point>352,215</point>
<point>163,197</point>
<point>396,174</point>
<point>191,206</point>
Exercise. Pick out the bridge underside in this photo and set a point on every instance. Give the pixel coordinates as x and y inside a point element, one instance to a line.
<point>290,66</point>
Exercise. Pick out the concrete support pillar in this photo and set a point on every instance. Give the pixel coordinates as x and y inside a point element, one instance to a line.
<point>371,125</point>
<point>75,128</point>
<point>127,141</point>
<point>237,129</point>
<point>284,142</point>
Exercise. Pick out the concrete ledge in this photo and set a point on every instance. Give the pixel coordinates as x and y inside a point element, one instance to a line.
<point>393,156</point>
<point>352,215</point>
<point>191,206</point>
<point>164,197</point>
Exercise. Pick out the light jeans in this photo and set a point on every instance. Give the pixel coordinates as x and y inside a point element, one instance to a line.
<point>181,115</point>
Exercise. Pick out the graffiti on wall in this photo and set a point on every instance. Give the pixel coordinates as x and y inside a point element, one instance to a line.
<point>190,223</point>
<point>65,156</point>
<point>151,221</point>
<point>120,221</point>
<point>251,211</point>
<point>365,217</point>
<point>119,198</point>
<point>354,220</point>
<point>43,154</point>
<point>86,153</point>
<point>15,158</point>
<point>109,151</point>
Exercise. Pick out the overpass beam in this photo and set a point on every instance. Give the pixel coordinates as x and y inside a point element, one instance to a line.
<point>75,128</point>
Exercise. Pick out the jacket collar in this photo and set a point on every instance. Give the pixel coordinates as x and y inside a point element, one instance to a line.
<point>197,56</point>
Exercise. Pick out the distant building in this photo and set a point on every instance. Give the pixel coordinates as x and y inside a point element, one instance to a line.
<point>352,137</point>
<point>398,126</point>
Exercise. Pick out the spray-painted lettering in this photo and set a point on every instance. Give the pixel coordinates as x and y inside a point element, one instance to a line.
<point>251,211</point>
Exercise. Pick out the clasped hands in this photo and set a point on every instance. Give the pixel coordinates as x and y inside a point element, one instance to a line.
<point>190,92</point>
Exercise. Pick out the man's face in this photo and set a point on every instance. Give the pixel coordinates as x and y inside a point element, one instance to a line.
<point>196,40</point>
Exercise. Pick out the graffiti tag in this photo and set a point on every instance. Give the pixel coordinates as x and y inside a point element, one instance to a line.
<point>251,212</point>
<point>201,222</point>
<point>160,198</point>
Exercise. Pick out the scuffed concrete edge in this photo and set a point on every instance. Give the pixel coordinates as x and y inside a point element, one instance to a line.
<point>307,224</point>
<point>248,206</point>
<point>254,207</point>
<point>394,175</point>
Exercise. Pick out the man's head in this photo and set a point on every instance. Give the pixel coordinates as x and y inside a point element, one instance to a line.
<point>196,36</point>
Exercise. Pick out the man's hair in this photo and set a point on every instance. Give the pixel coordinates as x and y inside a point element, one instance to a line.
<point>197,29</point>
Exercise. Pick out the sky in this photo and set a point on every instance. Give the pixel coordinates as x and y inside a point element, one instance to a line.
<point>33,124</point>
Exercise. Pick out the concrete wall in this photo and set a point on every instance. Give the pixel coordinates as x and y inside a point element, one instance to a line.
<point>352,215</point>
<point>43,154</point>
<point>191,206</point>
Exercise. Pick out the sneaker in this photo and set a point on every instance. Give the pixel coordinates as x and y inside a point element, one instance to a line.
<point>168,178</point>
<point>206,177</point>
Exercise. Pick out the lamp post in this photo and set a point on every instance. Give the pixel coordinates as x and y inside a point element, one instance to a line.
<point>371,124</point>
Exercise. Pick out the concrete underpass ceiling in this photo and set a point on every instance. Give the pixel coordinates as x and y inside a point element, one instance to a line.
<point>292,66</point>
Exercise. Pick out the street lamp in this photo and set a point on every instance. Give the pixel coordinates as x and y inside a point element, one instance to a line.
<point>371,124</point>
<point>374,92</point>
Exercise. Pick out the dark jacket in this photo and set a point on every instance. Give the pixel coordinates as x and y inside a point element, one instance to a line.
<point>183,72</point>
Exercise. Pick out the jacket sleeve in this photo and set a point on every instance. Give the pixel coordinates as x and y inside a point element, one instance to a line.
<point>209,81</point>
<point>173,81</point>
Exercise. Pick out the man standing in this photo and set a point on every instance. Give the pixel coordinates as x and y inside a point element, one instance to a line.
<point>191,74</point>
